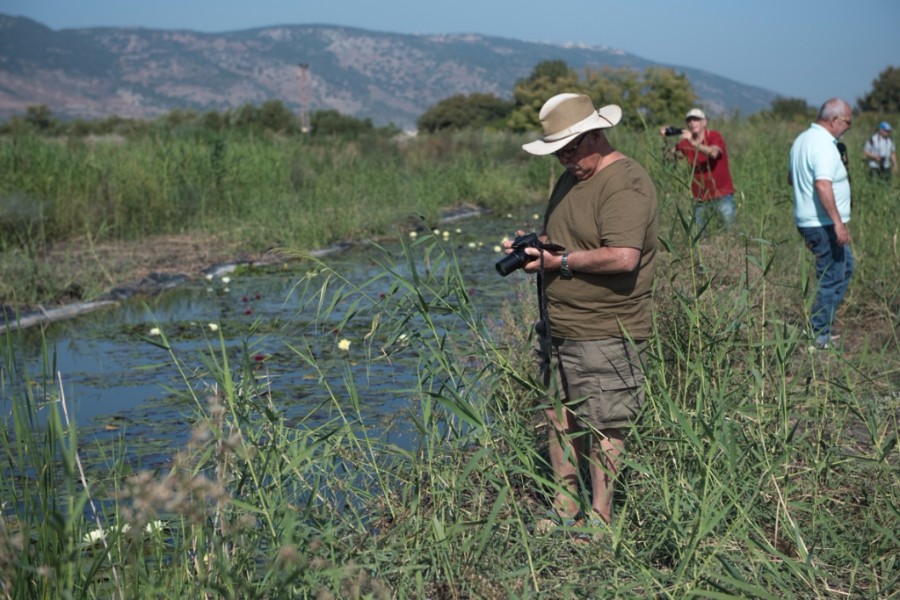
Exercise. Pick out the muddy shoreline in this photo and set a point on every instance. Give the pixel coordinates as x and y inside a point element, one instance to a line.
<point>156,282</point>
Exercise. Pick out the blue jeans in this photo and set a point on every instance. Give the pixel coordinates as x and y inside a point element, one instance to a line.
<point>834,267</point>
<point>725,206</point>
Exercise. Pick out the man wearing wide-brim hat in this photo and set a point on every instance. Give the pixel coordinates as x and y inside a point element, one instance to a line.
<point>603,212</point>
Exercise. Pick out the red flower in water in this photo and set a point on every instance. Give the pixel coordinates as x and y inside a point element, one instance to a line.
<point>258,295</point>
<point>259,357</point>
<point>244,299</point>
<point>248,311</point>
<point>382,295</point>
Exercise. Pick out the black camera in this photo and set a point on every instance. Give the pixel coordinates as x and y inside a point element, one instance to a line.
<point>516,259</point>
<point>670,131</point>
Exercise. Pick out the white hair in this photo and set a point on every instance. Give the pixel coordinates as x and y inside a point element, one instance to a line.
<point>834,108</point>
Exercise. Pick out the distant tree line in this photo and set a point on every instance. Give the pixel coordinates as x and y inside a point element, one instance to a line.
<point>652,96</point>
<point>270,117</point>
<point>655,95</point>
<point>882,100</point>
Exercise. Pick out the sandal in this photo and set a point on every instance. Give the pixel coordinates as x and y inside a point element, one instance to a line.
<point>553,521</point>
<point>592,530</point>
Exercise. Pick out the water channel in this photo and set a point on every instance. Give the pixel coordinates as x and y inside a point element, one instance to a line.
<point>121,382</point>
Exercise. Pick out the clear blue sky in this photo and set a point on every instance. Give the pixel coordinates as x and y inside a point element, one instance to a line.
<point>797,48</point>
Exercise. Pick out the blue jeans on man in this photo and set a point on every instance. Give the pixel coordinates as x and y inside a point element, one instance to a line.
<point>724,205</point>
<point>834,267</point>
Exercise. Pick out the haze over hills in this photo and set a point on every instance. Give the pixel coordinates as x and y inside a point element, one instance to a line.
<point>387,77</point>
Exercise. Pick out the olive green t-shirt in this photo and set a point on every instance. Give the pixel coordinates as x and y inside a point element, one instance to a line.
<point>616,207</point>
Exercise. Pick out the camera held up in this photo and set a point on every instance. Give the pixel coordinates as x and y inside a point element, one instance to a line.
<point>670,131</point>
<point>517,258</point>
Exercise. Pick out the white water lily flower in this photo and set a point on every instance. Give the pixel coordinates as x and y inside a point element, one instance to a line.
<point>96,535</point>
<point>209,276</point>
<point>213,327</point>
<point>344,344</point>
<point>458,230</point>
<point>498,249</point>
<point>155,331</point>
<point>436,231</point>
<point>535,216</point>
<point>471,244</point>
<point>92,536</point>
<point>413,234</point>
<point>226,279</point>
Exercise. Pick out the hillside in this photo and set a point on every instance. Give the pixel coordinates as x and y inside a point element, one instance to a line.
<point>387,77</point>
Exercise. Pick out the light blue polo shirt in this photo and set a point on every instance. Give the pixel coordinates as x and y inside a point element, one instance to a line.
<point>814,155</point>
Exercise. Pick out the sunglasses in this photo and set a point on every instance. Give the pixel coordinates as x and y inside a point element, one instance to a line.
<point>571,148</point>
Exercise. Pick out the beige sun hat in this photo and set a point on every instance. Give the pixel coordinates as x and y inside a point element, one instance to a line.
<point>566,116</point>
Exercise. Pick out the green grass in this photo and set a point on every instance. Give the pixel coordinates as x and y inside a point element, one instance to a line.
<point>757,469</point>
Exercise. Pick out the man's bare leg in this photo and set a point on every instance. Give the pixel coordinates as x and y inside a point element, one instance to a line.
<point>566,445</point>
<point>605,462</point>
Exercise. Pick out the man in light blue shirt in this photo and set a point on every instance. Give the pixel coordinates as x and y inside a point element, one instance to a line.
<point>822,210</point>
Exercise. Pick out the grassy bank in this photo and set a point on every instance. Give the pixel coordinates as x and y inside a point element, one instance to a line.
<point>758,469</point>
<point>247,193</point>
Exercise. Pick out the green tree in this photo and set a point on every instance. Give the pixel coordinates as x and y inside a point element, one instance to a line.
<point>40,118</point>
<point>885,94</point>
<point>665,96</point>
<point>213,120</point>
<point>274,116</point>
<point>246,117</point>
<point>549,77</point>
<point>177,117</point>
<point>331,122</point>
<point>792,109</point>
<point>465,112</point>
<point>657,95</point>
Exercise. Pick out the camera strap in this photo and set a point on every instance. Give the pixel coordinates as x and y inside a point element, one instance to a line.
<point>543,329</point>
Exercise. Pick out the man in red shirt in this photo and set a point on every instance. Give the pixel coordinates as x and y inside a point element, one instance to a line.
<point>707,156</point>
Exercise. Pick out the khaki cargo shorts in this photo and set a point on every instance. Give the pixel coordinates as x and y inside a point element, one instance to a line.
<point>600,381</point>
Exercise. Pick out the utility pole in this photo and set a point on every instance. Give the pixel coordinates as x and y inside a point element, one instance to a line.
<point>304,97</point>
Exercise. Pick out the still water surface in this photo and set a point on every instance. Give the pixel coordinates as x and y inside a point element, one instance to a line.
<point>118,382</point>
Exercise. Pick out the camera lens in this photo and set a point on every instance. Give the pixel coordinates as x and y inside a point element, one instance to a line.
<point>511,262</point>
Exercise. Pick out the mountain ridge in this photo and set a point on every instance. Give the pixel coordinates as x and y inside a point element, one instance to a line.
<point>387,77</point>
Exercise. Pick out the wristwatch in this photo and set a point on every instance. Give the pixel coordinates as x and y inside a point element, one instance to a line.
<point>564,270</point>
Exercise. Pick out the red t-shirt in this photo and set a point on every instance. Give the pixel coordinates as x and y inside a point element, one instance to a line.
<point>712,178</point>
